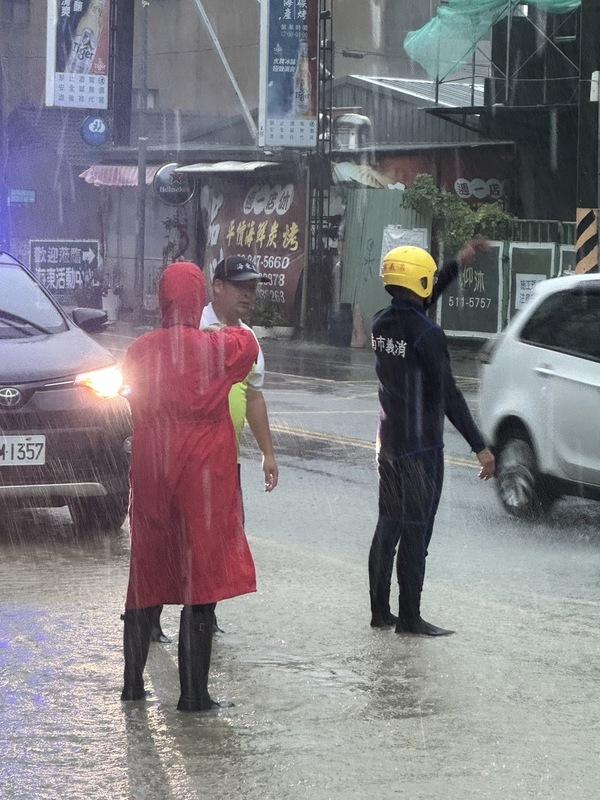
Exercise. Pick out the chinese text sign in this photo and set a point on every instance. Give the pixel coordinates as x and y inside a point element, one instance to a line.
<point>64,266</point>
<point>288,81</point>
<point>264,221</point>
<point>77,53</point>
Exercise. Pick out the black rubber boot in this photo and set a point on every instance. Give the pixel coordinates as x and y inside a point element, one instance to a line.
<point>216,628</point>
<point>381,616</point>
<point>418,627</point>
<point>136,643</point>
<point>157,633</point>
<point>195,648</point>
<point>383,620</point>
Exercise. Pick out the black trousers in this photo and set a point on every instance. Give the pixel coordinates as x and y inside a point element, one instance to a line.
<point>409,495</point>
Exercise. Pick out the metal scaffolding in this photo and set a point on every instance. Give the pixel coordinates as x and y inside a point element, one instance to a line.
<point>320,179</point>
<point>553,31</point>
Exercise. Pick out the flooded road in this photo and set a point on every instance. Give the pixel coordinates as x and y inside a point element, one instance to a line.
<point>325,707</point>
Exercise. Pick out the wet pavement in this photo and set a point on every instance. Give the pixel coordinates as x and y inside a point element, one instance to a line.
<point>315,360</point>
<point>325,707</point>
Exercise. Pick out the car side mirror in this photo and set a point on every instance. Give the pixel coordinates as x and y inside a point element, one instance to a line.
<point>90,320</point>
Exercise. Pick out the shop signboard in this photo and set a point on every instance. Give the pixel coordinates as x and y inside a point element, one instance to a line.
<point>288,73</point>
<point>172,187</point>
<point>472,305</point>
<point>77,53</point>
<point>65,266</point>
<point>264,220</point>
<point>94,131</point>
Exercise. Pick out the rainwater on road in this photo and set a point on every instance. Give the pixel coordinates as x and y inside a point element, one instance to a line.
<point>325,707</point>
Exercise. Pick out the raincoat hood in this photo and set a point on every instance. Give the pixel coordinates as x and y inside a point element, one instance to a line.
<point>182,295</point>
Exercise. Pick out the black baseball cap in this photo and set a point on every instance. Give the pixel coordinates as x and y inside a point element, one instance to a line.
<point>237,269</point>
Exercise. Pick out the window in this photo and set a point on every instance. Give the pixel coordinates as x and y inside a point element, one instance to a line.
<point>568,322</point>
<point>24,308</point>
<point>16,12</point>
<point>151,99</point>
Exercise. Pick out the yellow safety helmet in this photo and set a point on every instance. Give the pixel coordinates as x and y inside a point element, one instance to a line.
<point>410,267</point>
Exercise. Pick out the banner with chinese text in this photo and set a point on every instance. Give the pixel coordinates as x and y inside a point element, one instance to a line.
<point>288,73</point>
<point>530,263</point>
<point>472,306</point>
<point>265,221</point>
<point>65,267</point>
<point>77,53</point>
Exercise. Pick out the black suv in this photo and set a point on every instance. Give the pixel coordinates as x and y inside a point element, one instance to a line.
<point>64,426</point>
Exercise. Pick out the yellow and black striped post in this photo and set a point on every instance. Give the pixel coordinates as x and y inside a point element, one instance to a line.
<point>588,173</point>
<point>587,239</point>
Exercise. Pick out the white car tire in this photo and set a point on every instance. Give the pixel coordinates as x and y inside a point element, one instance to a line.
<point>521,488</point>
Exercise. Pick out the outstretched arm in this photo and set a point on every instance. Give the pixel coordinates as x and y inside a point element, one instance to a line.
<point>258,420</point>
<point>449,272</point>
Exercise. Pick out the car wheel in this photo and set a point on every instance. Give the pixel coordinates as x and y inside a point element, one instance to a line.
<point>99,513</point>
<point>521,488</point>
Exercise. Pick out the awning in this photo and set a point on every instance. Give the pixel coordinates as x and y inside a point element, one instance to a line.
<point>228,166</point>
<point>116,175</point>
<point>345,172</point>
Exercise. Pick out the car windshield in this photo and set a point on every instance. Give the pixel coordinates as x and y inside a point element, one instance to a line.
<point>24,308</point>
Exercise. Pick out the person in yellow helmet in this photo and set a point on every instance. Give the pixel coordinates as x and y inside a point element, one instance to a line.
<point>416,391</point>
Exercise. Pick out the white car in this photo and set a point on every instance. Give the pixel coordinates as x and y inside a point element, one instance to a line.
<point>540,397</point>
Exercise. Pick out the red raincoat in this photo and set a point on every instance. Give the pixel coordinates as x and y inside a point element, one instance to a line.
<point>187,539</point>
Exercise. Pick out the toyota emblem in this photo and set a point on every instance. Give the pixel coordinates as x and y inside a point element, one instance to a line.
<point>9,398</point>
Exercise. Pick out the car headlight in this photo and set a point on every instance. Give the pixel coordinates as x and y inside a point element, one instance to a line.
<point>106,383</point>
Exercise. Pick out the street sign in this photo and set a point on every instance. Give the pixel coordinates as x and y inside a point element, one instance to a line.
<point>288,73</point>
<point>65,266</point>
<point>18,197</point>
<point>94,131</point>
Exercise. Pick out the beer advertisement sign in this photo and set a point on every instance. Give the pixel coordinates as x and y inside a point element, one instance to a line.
<point>77,55</point>
<point>288,106</point>
<point>264,220</point>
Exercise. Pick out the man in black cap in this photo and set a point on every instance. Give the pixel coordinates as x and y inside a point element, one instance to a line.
<point>234,284</point>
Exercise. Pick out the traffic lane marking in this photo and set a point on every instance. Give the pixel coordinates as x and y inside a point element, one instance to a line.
<point>358,443</point>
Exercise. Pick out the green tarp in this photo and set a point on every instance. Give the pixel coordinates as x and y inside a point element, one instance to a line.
<point>446,43</point>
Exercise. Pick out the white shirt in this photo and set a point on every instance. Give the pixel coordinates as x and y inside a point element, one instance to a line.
<point>256,379</point>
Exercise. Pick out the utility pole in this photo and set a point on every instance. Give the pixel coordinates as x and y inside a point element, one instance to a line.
<point>4,206</point>
<point>140,244</point>
<point>588,161</point>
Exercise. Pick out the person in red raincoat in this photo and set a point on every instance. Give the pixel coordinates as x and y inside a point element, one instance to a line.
<point>187,539</point>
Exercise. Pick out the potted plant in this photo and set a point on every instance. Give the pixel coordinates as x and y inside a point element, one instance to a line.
<point>270,321</point>
<point>111,295</point>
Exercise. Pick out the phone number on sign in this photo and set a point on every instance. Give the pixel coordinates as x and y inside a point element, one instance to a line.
<point>273,295</point>
<point>269,262</point>
<point>470,302</point>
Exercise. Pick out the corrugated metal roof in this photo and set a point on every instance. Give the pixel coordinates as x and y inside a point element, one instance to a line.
<point>450,93</point>
<point>228,166</point>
